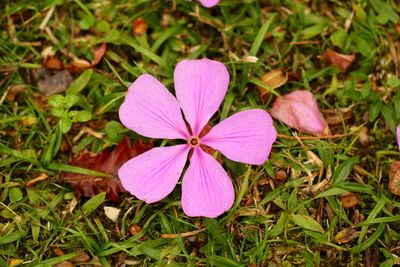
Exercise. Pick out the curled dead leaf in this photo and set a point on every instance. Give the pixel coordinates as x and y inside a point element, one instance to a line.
<point>139,26</point>
<point>82,257</point>
<point>53,63</point>
<point>338,116</point>
<point>15,90</point>
<point>342,61</point>
<point>394,178</point>
<point>107,162</point>
<point>134,229</point>
<point>363,136</point>
<point>98,54</point>
<point>350,200</point>
<point>64,264</point>
<point>274,79</point>
<point>346,235</point>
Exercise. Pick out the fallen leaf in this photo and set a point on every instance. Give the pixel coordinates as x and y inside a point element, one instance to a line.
<point>78,66</point>
<point>82,257</point>
<point>346,235</point>
<point>363,137</point>
<point>134,229</point>
<point>64,264</point>
<point>58,251</point>
<point>111,213</point>
<point>394,178</point>
<point>54,82</point>
<point>339,115</point>
<point>274,79</point>
<point>98,54</point>
<point>139,26</point>
<point>53,63</point>
<point>299,110</point>
<point>341,61</point>
<point>350,200</point>
<point>107,162</point>
<point>15,90</point>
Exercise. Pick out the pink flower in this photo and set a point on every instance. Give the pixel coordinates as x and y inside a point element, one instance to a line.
<point>151,110</point>
<point>398,136</point>
<point>209,3</point>
<point>299,110</point>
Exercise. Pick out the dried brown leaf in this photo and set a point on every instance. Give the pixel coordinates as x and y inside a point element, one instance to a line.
<point>54,82</point>
<point>346,235</point>
<point>64,264</point>
<point>394,178</point>
<point>82,257</point>
<point>350,200</point>
<point>53,63</point>
<point>15,90</point>
<point>107,162</point>
<point>274,79</point>
<point>338,116</point>
<point>342,61</point>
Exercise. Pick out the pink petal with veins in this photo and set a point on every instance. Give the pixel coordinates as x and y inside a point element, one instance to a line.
<point>299,110</point>
<point>206,188</point>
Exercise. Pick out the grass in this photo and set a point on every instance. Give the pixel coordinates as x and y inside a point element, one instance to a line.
<point>288,212</point>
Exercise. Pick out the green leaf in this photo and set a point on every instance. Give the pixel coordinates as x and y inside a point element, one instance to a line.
<point>375,110</point>
<point>279,226</point>
<point>343,170</point>
<point>306,222</point>
<point>390,117</point>
<point>70,100</point>
<point>397,105</point>
<point>220,261</point>
<point>93,203</point>
<point>339,37</point>
<point>83,115</point>
<point>15,194</point>
<point>56,101</point>
<point>80,83</point>
<point>65,124</point>
<point>86,22</point>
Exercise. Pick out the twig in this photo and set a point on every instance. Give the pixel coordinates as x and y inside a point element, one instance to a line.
<point>195,232</point>
<point>284,136</point>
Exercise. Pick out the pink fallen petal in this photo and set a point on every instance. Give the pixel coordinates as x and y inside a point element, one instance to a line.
<point>209,3</point>
<point>98,54</point>
<point>152,111</point>
<point>398,136</point>
<point>246,136</point>
<point>206,188</point>
<point>152,175</point>
<point>200,87</point>
<point>299,110</point>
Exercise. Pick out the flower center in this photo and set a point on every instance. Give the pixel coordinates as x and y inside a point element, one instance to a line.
<point>194,141</point>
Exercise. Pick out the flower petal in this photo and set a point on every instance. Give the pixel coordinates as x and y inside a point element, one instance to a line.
<point>299,110</point>
<point>151,110</point>
<point>151,176</point>
<point>209,3</point>
<point>206,188</point>
<point>200,87</point>
<point>246,136</point>
<point>398,136</point>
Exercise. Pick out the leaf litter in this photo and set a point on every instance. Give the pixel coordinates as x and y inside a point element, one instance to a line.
<point>107,162</point>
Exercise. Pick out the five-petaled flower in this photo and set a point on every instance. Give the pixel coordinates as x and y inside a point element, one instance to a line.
<point>209,3</point>
<point>151,110</point>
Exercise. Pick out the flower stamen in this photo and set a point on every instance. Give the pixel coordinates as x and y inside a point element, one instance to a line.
<point>194,141</point>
